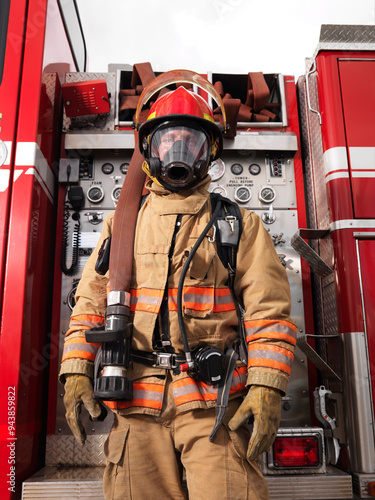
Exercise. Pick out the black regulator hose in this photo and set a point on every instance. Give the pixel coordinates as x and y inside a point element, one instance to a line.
<point>182,279</point>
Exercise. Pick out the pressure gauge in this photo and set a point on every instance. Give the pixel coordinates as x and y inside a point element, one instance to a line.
<point>217,169</point>
<point>221,190</point>
<point>242,194</point>
<point>124,168</point>
<point>95,194</point>
<point>254,169</point>
<point>116,194</point>
<point>107,168</point>
<point>236,169</point>
<point>267,194</point>
<point>71,298</point>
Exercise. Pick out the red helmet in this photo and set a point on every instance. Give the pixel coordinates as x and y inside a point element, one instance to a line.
<point>183,106</point>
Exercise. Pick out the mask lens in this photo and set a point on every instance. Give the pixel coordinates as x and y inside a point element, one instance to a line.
<point>180,149</point>
<point>193,140</point>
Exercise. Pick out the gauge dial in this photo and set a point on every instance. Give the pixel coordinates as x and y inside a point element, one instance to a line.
<point>95,194</point>
<point>71,298</point>
<point>116,193</point>
<point>254,169</point>
<point>217,169</point>
<point>267,194</point>
<point>236,169</point>
<point>124,168</point>
<point>221,190</point>
<point>107,168</point>
<point>242,194</point>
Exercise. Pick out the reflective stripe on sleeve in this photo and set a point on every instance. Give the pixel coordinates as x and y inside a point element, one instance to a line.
<point>77,347</point>
<point>84,322</point>
<point>270,356</point>
<point>270,329</point>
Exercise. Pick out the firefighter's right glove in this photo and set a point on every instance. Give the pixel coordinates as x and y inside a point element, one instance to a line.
<point>78,391</point>
<point>264,403</point>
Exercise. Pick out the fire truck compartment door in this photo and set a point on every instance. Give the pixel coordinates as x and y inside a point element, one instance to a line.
<point>357,80</point>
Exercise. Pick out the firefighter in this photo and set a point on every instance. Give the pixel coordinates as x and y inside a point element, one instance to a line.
<point>166,427</point>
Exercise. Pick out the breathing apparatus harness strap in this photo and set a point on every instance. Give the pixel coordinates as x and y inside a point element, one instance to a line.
<point>224,388</point>
<point>227,219</point>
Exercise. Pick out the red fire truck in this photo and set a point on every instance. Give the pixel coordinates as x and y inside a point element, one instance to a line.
<point>308,171</point>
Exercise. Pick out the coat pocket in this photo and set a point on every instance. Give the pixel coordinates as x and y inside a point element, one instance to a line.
<point>200,265</point>
<point>198,291</point>
<point>115,445</point>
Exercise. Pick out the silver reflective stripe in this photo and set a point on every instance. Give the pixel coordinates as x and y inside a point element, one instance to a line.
<point>275,356</point>
<point>81,347</point>
<point>151,395</point>
<point>275,327</point>
<point>198,298</point>
<point>223,299</point>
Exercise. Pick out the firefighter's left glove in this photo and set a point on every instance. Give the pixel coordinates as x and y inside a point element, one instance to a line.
<point>78,391</point>
<point>264,403</point>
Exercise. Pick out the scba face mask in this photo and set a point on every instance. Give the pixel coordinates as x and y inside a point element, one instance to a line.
<point>179,155</point>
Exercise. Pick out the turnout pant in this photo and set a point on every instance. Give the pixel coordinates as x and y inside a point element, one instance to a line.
<point>146,456</point>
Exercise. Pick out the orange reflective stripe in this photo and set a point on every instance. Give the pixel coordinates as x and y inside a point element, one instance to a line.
<point>271,348</point>
<point>271,329</point>
<point>268,363</point>
<point>203,299</point>
<point>93,318</point>
<point>172,299</point>
<point>78,354</point>
<point>187,390</point>
<point>77,347</point>
<point>239,380</point>
<point>145,395</point>
<point>223,301</point>
<point>146,300</point>
<point>198,298</point>
<point>271,356</point>
<point>84,322</point>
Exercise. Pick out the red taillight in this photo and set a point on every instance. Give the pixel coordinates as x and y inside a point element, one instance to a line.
<point>296,452</point>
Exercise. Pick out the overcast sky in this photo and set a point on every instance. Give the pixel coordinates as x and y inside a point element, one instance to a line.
<point>228,36</point>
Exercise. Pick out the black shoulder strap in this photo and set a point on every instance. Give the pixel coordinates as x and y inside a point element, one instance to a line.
<point>228,231</point>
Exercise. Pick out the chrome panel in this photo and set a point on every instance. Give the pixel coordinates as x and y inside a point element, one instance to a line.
<point>359,416</point>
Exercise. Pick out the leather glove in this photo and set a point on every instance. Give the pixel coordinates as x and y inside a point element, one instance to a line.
<point>78,391</point>
<point>265,404</point>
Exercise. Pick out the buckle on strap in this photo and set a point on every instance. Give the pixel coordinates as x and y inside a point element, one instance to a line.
<point>167,360</point>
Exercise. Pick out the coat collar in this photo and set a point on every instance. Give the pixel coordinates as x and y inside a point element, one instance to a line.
<point>164,202</point>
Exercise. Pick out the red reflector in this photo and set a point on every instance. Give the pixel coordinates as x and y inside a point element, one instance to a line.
<point>296,452</point>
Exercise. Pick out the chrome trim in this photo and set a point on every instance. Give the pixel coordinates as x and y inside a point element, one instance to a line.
<point>359,408</point>
<point>284,114</point>
<point>99,140</point>
<point>363,235</point>
<point>313,70</point>
<point>113,371</point>
<point>352,224</point>
<point>121,297</point>
<point>268,462</point>
<point>361,287</point>
<point>263,141</point>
